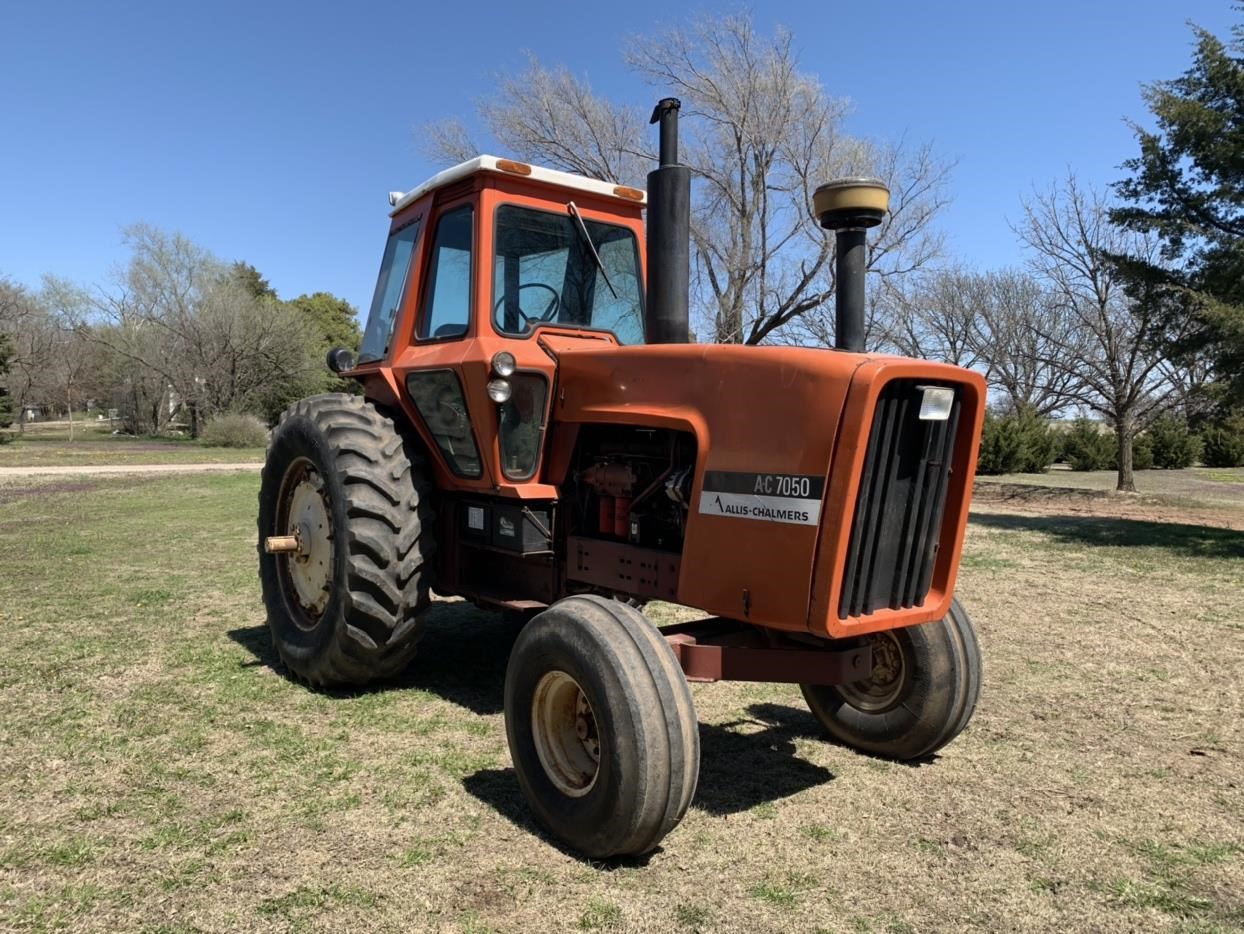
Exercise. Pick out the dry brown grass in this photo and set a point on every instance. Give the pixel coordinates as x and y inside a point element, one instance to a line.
<point>157,772</point>
<point>1212,487</point>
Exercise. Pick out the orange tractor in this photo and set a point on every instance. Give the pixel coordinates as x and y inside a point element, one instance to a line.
<point>535,433</point>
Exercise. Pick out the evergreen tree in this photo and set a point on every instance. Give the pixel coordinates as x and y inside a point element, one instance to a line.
<point>247,276</point>
<point>334,317</point>
<point>1187,188</point>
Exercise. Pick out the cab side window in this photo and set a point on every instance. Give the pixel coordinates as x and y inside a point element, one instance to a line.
<point>394,269</point>
<point>446,307</point>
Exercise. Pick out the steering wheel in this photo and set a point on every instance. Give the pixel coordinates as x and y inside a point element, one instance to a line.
<point>532,320</point>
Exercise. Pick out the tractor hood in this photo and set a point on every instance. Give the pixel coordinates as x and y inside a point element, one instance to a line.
<point>782,435</point>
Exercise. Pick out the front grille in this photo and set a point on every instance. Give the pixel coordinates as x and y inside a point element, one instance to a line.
<point>898,514</point>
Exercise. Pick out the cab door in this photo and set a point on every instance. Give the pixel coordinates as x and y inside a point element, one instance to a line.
<point>432,370</point>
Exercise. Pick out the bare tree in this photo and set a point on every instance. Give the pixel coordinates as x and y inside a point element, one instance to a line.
<point>33,339</point>
<point>548,115</point>
<point>931,315</point>
<point>80,366</point>
<point>1023,333</point>
<point>1118,367</point>
<point>194,337</point>
<point>760,135</point>
<point>1006,324</point>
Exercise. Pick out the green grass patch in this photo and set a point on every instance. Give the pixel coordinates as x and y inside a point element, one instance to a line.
<point>782,891</point>
<point>1226,476</point>
<point>1164,898</point>
<point>307,900</point>
<point>600,915</point>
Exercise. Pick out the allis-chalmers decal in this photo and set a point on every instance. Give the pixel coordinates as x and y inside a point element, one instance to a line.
<point>767,497</point>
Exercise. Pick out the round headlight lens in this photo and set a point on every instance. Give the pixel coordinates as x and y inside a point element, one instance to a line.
<point>503,364</point>
<point>499,390</point>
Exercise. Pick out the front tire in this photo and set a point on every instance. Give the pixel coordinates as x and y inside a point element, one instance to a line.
<point>923,690</point>
<point>345,609</point>
<point>601,727</point>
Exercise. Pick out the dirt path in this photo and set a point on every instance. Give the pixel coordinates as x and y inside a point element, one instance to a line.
<point>88,469</point>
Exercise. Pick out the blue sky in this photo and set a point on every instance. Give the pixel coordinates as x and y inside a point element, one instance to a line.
<point>271,132</point>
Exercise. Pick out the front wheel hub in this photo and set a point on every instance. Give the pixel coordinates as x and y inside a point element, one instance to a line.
<point>887,682</point>
<point>565,734</point>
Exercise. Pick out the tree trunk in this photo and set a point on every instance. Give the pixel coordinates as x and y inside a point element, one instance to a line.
<point>1123,434</point>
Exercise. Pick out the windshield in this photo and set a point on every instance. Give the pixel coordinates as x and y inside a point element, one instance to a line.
<point>545,273</point>
<point>389,288</point>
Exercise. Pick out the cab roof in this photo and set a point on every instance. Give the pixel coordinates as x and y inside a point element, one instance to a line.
<point>507,167</point>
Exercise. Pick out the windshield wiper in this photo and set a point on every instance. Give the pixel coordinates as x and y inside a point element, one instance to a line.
<point>587,239</point>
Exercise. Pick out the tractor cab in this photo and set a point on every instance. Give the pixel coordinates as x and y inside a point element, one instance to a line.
<point>486,264</point>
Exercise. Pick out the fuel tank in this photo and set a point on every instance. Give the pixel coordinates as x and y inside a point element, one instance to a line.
<point>824,499</point>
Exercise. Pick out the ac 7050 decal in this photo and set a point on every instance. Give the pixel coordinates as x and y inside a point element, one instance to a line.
<point>767,497</point>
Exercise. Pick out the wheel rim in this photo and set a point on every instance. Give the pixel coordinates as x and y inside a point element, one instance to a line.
<point>888,682</point>
<point>567,741</point>
<point>303,511</point>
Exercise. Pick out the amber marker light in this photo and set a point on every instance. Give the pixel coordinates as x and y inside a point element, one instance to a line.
<point>514,168</point>
<point>630,194</point>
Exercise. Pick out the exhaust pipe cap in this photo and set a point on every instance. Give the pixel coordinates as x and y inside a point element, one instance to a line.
<point>855,203</point>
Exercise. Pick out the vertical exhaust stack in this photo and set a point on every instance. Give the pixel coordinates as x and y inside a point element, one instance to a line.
<point>669,236</point>
<point>849,206</point>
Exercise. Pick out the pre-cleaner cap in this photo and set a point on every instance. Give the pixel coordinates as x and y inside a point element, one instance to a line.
<point>851,202</point>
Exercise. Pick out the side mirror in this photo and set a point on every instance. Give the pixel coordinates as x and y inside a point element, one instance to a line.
<point>340,358</point>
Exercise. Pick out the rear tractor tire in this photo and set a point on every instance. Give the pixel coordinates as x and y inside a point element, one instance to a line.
<point>601,727</point>
<point>923,689</point>
<point>344,607</point>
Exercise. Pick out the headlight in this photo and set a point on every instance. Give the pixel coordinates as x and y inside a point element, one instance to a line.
<point>503,364</point>
<point>499,391</point>
<point>935,403</point>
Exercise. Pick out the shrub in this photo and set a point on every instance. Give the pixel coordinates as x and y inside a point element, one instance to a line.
<point>1142,453</point>
<point>1174,446</point>
<point>1019,442</point>
<point>234,430</point>
<point>1222,445</point>
<point>1087,447</point>
<point>999,450</point>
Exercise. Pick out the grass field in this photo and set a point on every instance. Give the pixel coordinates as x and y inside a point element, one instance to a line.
<point>48,444</point>
<point>158,772</point>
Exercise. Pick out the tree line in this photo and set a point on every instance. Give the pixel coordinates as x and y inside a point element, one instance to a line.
<point>175,339</point>
<point>1128,307</point>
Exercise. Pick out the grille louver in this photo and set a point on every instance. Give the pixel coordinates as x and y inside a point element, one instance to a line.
<point>898,512</point>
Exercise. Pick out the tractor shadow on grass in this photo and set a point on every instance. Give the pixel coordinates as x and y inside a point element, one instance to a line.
<point>743,764</point>
<point>461,657</point>
<point>1191,541</point>
<point>738,771</point>
<point>754,760</point>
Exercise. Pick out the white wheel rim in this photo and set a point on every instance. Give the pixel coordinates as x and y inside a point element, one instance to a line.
<point>887,682</point>
<point>311,569</point>
<point>564,729</point>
